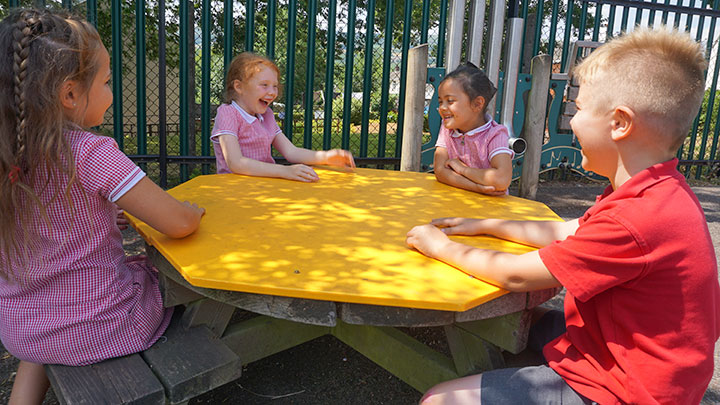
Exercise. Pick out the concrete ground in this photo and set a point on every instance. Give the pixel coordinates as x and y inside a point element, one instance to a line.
<point>325,371</point>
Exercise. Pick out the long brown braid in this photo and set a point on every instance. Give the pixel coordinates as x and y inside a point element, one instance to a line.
<point>42,50</point>
<point>22,35</point>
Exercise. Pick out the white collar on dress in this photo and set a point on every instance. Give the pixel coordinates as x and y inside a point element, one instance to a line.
<point>249,118</point>
<point>486,125</point>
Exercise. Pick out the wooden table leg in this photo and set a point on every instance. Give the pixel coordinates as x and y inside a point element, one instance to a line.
<point>406,358</point>
<point>475,347</point>
<point>470,353</point>
<point>262,336</point>
<point>508,332</point>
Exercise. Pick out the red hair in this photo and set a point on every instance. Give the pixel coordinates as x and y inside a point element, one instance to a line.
<point>242,68</point>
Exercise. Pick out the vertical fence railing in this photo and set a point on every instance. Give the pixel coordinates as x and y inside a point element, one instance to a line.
<point>140,76</point>
<point>205,86</point>
<point>290,67</point>
<point>349,66</point>
<point>329,77</point>
<point>117,73</point>
<point>184,68</point>
<point>310,74</point>
<point>162,96</point>
<point>369,40</point>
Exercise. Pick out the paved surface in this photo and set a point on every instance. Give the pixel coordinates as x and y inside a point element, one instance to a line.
<point>325,371</point>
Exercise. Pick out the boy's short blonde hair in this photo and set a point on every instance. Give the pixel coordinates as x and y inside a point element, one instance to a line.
<point>658,73</point>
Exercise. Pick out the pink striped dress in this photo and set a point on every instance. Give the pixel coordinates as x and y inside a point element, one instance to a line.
<point>79,300</point>
<point>477,147</point>
<point>255,134</point>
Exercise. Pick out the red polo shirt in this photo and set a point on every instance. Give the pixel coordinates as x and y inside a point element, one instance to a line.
<point>643,303</point>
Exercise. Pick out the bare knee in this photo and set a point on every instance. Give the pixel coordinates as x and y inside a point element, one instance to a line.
<point>464,390</point>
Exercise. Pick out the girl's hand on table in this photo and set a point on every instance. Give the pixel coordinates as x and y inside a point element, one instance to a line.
<point>489,190</point>
<point>122,222</point>
<point>340,158</point>
<point>427,239</point>
<point>456,165</point>
<point>301,172</point>
<point>194,207</point>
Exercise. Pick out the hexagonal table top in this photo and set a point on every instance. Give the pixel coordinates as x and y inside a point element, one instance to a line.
<point>340,239</point>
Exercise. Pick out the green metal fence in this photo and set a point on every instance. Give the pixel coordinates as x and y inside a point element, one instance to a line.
<point>343,67</point>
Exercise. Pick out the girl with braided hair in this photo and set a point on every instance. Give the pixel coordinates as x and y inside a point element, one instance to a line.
<point>68,294</point>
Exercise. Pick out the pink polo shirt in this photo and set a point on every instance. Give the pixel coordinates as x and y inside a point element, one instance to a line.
<point>255,134</point>
<point>78,299</point>
<point>477,147</point>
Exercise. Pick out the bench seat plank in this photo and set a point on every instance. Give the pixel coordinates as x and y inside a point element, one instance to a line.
<point>191,362</point>
<point>122,380</point>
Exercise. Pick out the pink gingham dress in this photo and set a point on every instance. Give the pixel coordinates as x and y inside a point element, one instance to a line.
<point>477,147</point>
<point>80,300</point>
<point>255,134</point>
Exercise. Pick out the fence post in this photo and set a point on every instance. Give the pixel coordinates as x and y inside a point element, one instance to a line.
<point>534,130</point>
<point>414,107</point>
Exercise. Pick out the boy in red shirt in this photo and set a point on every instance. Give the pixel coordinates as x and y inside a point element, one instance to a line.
<point>642,309</point>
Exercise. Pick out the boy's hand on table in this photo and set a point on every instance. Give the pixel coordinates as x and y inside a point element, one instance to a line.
<point>427,239</point>
<point>458,226</point>
<point>341,158</point>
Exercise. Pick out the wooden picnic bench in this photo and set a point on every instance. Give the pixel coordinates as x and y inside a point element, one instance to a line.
<point>184,363</point>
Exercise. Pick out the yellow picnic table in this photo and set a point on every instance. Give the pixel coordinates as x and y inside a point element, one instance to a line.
<point>330,257</point>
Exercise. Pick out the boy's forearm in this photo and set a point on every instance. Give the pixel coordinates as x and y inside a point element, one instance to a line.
<point>511,272</point>
<point>532,233</point>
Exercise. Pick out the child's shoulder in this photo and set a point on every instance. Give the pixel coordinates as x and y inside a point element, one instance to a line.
<point>226,108</point>
<point>497,128</point>
<point>84,143</point>
<point>80,139</point>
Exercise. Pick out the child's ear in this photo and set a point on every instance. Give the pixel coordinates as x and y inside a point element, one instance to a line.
<point>237,86</point>
<point>479,103</point>
<point>623,122</point>
<point>69,94</point>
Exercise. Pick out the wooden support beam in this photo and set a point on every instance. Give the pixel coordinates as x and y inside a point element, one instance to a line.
<point>410,158</point>
<point>509,332</point>
<point>263,336</point>
<point>364,314</point>
<point>510,302</point>
<point>534,128</point>
<point>174,293</point>
<point>398,353</point>
<point>470,353</point>
<point>214,314</point>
